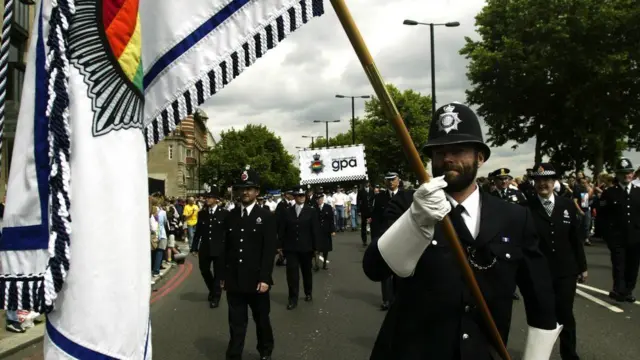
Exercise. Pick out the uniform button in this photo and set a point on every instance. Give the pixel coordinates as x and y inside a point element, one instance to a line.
<point>240,260</point>
<point>508,256</point>
<point>552,233</point>
<point>465,336</point>
<point>240,250</point>
<point>241,229</point>
<point>241,240</point>
<point>434,242</point>
<point>467,308</point>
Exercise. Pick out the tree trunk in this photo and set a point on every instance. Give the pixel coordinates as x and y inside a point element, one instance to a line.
<point>538,152</point>
<point>598,158</point>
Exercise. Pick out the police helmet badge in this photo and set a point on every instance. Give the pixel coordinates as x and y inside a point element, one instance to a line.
<point>624,163</point>
<point>317,165</point>
<point>540,170</point>
<point>245,174</point>
<point>449,120</point>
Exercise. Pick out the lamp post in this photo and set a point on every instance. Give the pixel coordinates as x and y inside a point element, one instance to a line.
<point>353,113</point>
<point>433,56</point>
<point>312,139</point>
<point>326,122</point>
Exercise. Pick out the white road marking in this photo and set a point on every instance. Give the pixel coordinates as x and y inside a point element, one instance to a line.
<point>604,304</point>
<point>599,291</point>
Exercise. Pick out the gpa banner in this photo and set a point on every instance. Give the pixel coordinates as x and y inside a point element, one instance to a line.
<point>335,164</point>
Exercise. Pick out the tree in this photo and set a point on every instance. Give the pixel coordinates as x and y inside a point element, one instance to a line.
<point>257,147</point>
<point>382,147</point>
<point>563,72</point>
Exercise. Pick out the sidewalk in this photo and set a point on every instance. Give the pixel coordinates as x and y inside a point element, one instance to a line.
<point>11,343</point>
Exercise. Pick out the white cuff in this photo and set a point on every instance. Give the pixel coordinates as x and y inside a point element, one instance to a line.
<point>402,245</point>
<point>540,343</point>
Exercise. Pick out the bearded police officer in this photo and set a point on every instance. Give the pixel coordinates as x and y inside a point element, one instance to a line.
<point>250,246</point>
<point>620,211</point>
<point>434,315</point>
<point>210,234</point>
<point>560,240</point>
<point>503,189</point>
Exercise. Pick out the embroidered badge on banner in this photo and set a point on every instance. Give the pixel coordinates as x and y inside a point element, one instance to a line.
<point>111,78</point>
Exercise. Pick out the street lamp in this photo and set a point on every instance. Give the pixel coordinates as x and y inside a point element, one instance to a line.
<point>312,139</point>
<point>353,113</point>
<point>326,122</point>
<point>433,56</point>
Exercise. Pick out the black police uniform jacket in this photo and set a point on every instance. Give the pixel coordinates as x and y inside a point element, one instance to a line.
<point>250,246</point>
<point>620,214</point>
<point>559,236</point>
<point>210,230</point>
<point>300,233</point>
<point>327,227</point>
<point>379,223</point>
<point>510,195</point>
<point>281,208</point>
<point>527,189</point>
<point>434,315</point>
<point>363,202</point>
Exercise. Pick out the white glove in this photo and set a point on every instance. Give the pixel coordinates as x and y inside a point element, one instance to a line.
<point>430,205</point>
<point>540,343</point>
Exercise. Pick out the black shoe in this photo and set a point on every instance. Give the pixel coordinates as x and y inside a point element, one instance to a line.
<point>292,306</point>
<point>617,297</point>
<point>214,304</point>
<point>210,297</point>
<point>384,306</point>
<point>630,298</point>
<point>308,298</point>
<point>325,267</point>
<point>516,296</point>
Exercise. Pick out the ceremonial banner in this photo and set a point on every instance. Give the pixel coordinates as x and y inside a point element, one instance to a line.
<point>335,164</point>
<point>106,79</point>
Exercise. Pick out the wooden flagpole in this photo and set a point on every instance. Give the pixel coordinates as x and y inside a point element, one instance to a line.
<point>351,29</point>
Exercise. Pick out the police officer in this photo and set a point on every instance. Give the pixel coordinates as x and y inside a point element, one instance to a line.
<point>250,245</point>
<point>327,229</point>
<point>298,239</point>
<point>527,186</point>
<point>379,226</point>
<point>210,234</point>
<point>362,199</point>
<point>558,228</point>
<point>434,315</point>
<point>502,179</point>
<point>620,211</point>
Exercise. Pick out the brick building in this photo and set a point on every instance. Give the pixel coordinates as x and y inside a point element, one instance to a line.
<point>23,15</point>
<point>176,160</point>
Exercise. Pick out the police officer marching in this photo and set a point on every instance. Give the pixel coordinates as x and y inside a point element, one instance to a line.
<point>210,233</point>
<point>620,211</point>
<point>298,238</point>
<point>558,228</point>
<point>502,179</point>
<point>434,315</point>
<point>327,230</point>
<point>250,245</point>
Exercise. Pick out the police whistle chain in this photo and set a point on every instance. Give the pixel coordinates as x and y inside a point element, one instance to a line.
<point>344,15</point>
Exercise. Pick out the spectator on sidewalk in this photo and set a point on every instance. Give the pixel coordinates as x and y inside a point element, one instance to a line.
<point>191,217</point>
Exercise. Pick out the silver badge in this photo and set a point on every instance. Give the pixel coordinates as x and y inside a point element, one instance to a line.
<point>566,214</point>
<point>624,163</point>
<point>258,221</point>
<point>449,120</point>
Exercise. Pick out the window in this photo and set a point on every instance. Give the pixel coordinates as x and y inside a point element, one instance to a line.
<point>189,153</point>
<point>170,150</point>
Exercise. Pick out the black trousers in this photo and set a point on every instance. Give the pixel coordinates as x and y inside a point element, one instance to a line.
<point>260,305</point>
<point>387,284</point>
<point>363,229</point>
<point>298,262</point>
<point>211,279</point>
<point>625,261</point>
<point>565,289</point>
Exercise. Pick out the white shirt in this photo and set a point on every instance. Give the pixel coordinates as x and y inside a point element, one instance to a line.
<point>339,199</point>
<point>213,209</point>
<point>471,213</point>
<point>249,208</point>
<point>272,205</point>
<point>551,198</point>
<point>393,193</point>
<point>329,200</point>
<point>353,197</point>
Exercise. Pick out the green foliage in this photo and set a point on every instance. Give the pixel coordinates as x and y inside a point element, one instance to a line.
<point>564,71</point>
<point>256,146</point>
<point>382,147</point>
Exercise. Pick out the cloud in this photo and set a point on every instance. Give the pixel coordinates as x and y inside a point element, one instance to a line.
<point>296,82</point>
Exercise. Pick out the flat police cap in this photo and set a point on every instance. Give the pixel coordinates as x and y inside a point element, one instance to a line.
<point>501,173</point>
<point>624,165</point>
<point>543,170</point>
<point>391,175</point>
<point>299,192</point>
<point>247,179</point>
<point>455,124</point>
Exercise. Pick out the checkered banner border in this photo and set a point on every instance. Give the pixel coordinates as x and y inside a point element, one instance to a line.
<point>335,179</point>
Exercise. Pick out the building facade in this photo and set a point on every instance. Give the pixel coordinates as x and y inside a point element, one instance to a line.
<point>176,160</point>
<point>23,15</point>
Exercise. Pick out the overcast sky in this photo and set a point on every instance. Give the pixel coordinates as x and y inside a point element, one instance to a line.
<point>296,82</point>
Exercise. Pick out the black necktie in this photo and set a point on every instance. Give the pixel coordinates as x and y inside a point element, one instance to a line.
<point>245,213</point>
<point>458,210</point>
